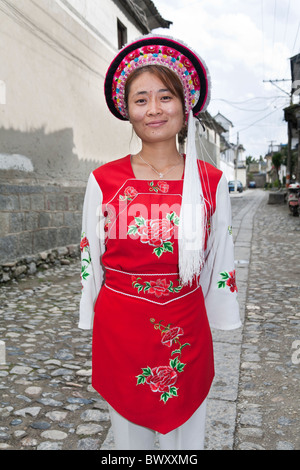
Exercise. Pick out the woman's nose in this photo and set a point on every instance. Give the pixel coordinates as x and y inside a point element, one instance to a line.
<point>154,106</point>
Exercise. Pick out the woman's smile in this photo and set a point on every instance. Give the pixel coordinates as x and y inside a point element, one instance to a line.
<point>156,123</point>
<point>155,113</point>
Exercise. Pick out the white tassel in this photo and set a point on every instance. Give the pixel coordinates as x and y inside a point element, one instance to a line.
<point>191,235</point>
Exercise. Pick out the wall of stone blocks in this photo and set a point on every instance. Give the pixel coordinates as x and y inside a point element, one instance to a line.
<point>36,218</point>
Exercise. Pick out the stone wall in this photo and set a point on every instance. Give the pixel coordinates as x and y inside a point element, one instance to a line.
<point>41,261</point>
<point>35,219</point>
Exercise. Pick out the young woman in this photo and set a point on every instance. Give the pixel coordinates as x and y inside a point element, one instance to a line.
<point>157,254</point>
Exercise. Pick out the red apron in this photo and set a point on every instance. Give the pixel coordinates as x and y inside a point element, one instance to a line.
<point>152,348</point>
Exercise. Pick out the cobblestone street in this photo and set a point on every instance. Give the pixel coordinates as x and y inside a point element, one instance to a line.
<point>47,401</point>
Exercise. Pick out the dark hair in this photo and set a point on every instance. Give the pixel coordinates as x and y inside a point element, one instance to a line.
<point>167,76</point>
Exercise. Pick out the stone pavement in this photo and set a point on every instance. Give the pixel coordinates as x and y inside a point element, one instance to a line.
<point>47,401</point>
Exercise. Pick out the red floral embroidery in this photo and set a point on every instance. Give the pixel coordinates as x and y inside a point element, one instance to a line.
<point>158,288</point>
<point>161,186</point>
<point>129,194</point>
<point>162,378</point>
<point>156,232</point>
<point>169,51</point>
<point>85,257</point>
<point>84,243</point>
<point>151,49</point>
<point>229,280</point>
<point>171,335</point>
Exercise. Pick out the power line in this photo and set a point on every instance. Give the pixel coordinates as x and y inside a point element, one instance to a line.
<point>258,120</point>
<point>296,37</point>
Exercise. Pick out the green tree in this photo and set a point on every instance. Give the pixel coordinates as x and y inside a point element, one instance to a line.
<point>277,160</point>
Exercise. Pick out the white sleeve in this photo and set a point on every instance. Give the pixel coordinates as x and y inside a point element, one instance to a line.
<point>218,275</point>
<point>92,248</point>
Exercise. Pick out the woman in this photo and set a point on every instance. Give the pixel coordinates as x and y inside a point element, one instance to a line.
<point>157,254</point>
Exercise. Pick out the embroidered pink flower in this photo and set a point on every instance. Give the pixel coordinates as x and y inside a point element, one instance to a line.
<point>231,282</point>
<point>163,186</point>
<point>129,194</point>
<point>156,232</point>
<point>171,335</point>
<point>161,378</point>
<point>159,287</point>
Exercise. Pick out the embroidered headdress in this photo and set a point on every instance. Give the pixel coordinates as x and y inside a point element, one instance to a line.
<point>194,76</point>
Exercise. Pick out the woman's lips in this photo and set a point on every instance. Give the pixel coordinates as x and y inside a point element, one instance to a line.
<point>156,123</point>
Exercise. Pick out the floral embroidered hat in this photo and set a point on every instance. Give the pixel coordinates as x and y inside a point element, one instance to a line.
<point>158,50</point>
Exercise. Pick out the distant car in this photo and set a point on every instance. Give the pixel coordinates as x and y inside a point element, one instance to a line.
<point>251,184</point>
<point>239,186</point>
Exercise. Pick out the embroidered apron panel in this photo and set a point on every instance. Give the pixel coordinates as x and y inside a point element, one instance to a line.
<point>152,348</point>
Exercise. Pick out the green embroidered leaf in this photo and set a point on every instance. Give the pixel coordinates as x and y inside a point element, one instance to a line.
<point>168,246</point>
<point>176,220</point>
<point>224,275</point>
<point>147,286</point>
<point>170,288</point>
<point>140,379</point>
<point>165,397</point>
<point>147,372</point>
<point>180,366</point>
<point>173,363</point>
<point>85,275</point>
<point>178,289</point>
<point>158,251</point>
<point>221,284</point>
<point>185,344</point>
<point>132,230</point>
<point>140,221</point>
<point>176,351</point>
<point>173,391</point>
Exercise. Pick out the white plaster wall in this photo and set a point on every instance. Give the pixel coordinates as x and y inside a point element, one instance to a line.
<point>102,15</point>
<point>228,170</point>
<point>52,74</point>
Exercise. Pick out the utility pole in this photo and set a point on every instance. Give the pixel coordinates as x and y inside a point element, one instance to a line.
<point>271,151</point>
<point>289,158</point>
<point>236,161</point>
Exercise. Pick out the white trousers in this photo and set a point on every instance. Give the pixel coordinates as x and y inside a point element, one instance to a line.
<point>189,436</point>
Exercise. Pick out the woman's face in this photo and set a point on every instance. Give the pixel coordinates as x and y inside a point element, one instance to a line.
<point>155,113</point>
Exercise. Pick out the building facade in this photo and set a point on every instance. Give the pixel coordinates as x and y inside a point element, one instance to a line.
<point>55,127</point>
<point>232,155</point>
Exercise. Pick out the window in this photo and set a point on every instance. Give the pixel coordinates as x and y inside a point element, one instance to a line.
<point>122,35</point>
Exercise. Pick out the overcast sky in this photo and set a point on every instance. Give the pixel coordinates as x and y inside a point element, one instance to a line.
<point>243,43</point>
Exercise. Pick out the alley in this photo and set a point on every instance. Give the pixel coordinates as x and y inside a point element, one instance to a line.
<point>47,401</point>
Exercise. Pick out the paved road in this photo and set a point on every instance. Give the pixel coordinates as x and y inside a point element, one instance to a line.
<point>47,401</point>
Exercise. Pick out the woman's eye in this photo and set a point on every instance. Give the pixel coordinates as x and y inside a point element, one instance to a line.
<point>166,98</point>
